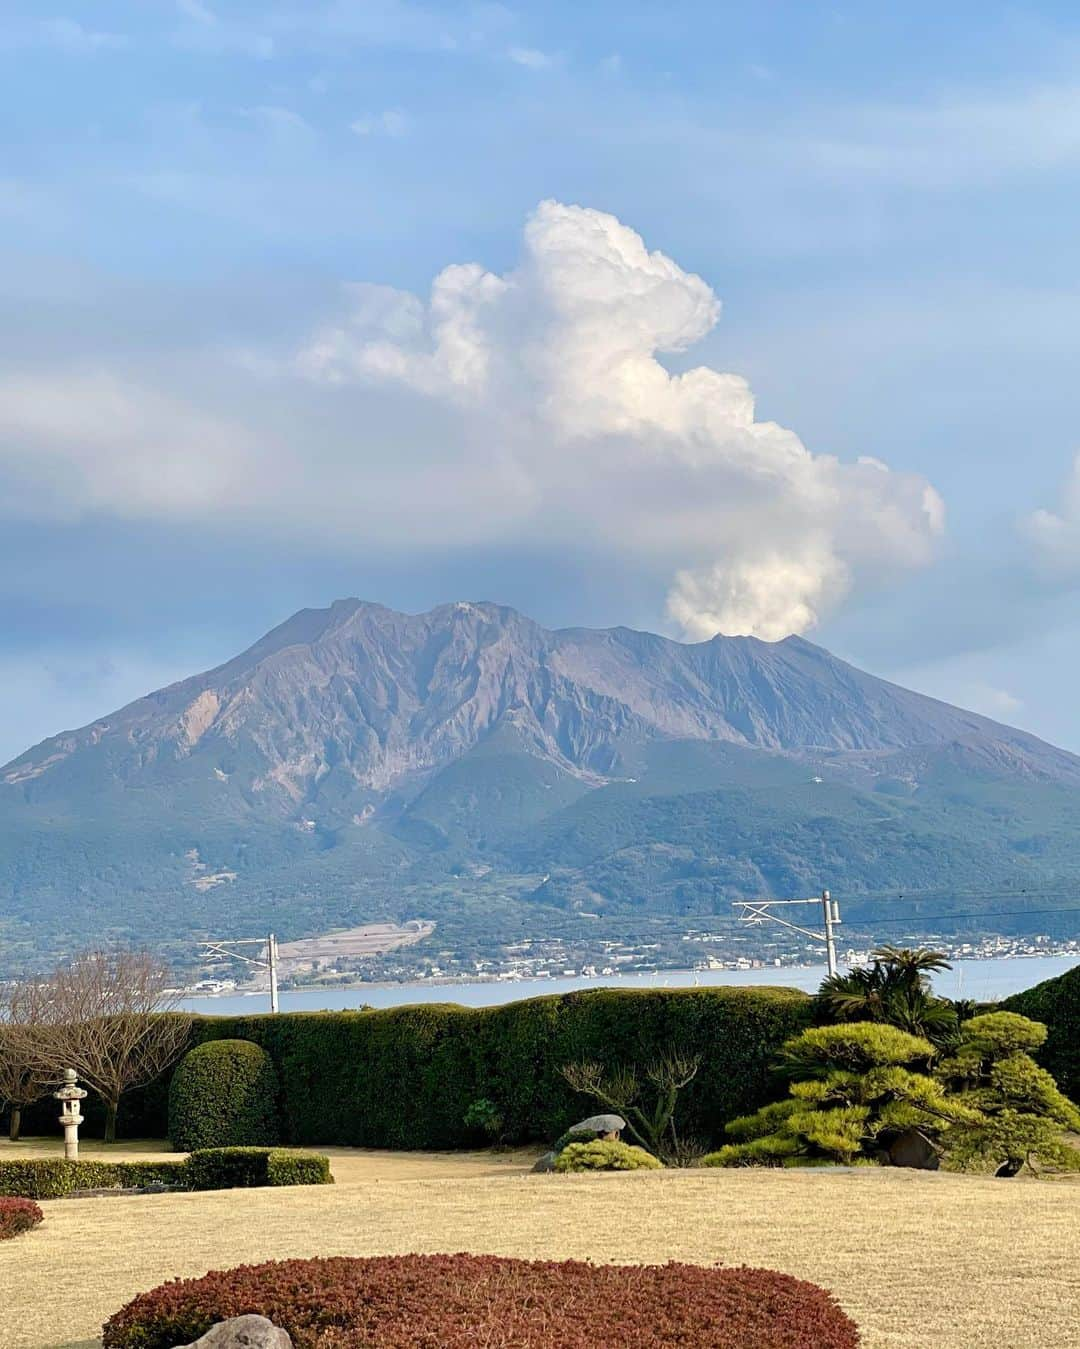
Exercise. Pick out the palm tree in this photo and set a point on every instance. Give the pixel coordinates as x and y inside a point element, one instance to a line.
<point>894,988</point>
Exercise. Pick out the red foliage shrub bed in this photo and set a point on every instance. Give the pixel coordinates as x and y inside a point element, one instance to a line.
<point>17,1215</point>
<point>462,1301</point>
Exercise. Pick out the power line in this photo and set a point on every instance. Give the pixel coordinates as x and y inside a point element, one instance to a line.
<point>949,917</point>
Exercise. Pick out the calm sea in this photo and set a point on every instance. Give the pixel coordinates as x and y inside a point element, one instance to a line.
<point>985,980</point>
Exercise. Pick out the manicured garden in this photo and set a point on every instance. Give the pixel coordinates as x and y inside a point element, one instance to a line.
<point>914,1259</point>
<point>876,1075</point>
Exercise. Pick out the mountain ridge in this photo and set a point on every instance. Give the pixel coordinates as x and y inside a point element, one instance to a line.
<point>358,763</point>
<point>760,674</point>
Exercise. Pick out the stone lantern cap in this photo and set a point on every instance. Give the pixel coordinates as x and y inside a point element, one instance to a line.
<point>69,1091</point>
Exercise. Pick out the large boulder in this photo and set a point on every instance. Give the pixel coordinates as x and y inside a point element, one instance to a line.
<point>243,1332</point>
<point>911,1149</point>
<point>599,1125</point>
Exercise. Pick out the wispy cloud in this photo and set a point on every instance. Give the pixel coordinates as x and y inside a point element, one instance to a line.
<point>529,57</point>
<point>390,122</point>
<point>63,33</point>
<point>201,29</point>
<point>279,121</point>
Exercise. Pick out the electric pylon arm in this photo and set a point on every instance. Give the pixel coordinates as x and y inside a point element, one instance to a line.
<point>759,911</point>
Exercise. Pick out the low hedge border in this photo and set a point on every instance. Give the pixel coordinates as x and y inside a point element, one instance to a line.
<point>244,1168</point>
<point>207,1169</point>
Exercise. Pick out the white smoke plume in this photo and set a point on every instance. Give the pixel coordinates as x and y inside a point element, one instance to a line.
<point>553,378</point>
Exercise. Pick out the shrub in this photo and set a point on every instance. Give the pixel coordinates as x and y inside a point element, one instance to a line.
<point>1056,1003</point>
<point>245,1168</point>
<point>55,1177</point>
<point>605,1154</point>
<point>224,1094</point>
<point>17,1216</point>
<point>460,1301</point>
<point>484,1116</point>
<point>646,1098</point>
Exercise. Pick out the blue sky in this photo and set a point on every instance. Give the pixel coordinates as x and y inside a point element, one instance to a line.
<point>218,402</point>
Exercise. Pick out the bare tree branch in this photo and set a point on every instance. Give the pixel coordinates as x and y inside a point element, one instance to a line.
<point>23,1078</point>
<point>108,1013</point>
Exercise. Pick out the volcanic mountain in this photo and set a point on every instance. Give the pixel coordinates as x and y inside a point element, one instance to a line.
<point>357,763</point>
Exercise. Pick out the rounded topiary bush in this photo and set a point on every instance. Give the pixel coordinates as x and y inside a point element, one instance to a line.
<point>605,1154</point>
<point>459,1301</point>
<point>224,1094</point>
<point>17,1216</point>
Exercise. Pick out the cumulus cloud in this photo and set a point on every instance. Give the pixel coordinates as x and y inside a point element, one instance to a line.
<point>1056,533</point>
<point>553,373</point>
<point>548,412</point>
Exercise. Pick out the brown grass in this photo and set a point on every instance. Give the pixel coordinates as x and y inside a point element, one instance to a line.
<point>917,1259</point>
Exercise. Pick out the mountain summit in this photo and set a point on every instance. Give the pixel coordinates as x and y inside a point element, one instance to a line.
<point>354,754</point>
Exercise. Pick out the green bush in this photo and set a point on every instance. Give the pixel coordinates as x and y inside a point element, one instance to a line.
<point>605,1154</point>
<point>287,1167</point>
<point>224,1094</point>
<point>245,1168</point>
<point>54,1177</point>
<point>1056,1003</point>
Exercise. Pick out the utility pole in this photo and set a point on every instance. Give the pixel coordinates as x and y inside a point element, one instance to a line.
<point>757,911</point>
<point>269,942</point>
<point>831,912</point>
<point>271,951</point>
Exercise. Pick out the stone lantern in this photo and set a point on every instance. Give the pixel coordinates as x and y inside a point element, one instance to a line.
<point>70,1097</point>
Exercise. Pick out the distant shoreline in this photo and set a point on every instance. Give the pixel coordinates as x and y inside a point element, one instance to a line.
<point>807,976</point>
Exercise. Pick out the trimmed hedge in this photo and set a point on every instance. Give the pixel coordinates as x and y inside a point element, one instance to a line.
<point>208,1169</point>
<point>244,1168</point>
<point>55,1177</point>
<point>17,1216</point>
<point>224,1094</point>
<point>405,1077</point>
<point>1056,1003</point>
<point>606,1154</point>
<point>460,1301</point>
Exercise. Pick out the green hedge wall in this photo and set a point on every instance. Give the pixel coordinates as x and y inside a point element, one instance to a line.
<point>404,1077</point>
<point>1057,1004</point>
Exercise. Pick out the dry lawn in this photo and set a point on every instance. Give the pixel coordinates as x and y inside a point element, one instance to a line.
<point>918,1260</point>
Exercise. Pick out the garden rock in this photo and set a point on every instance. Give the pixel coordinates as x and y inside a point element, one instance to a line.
<point>599,1125</point>
<point>911,1149</point>
<point>544,1164</point>
<point>243,1332</point>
